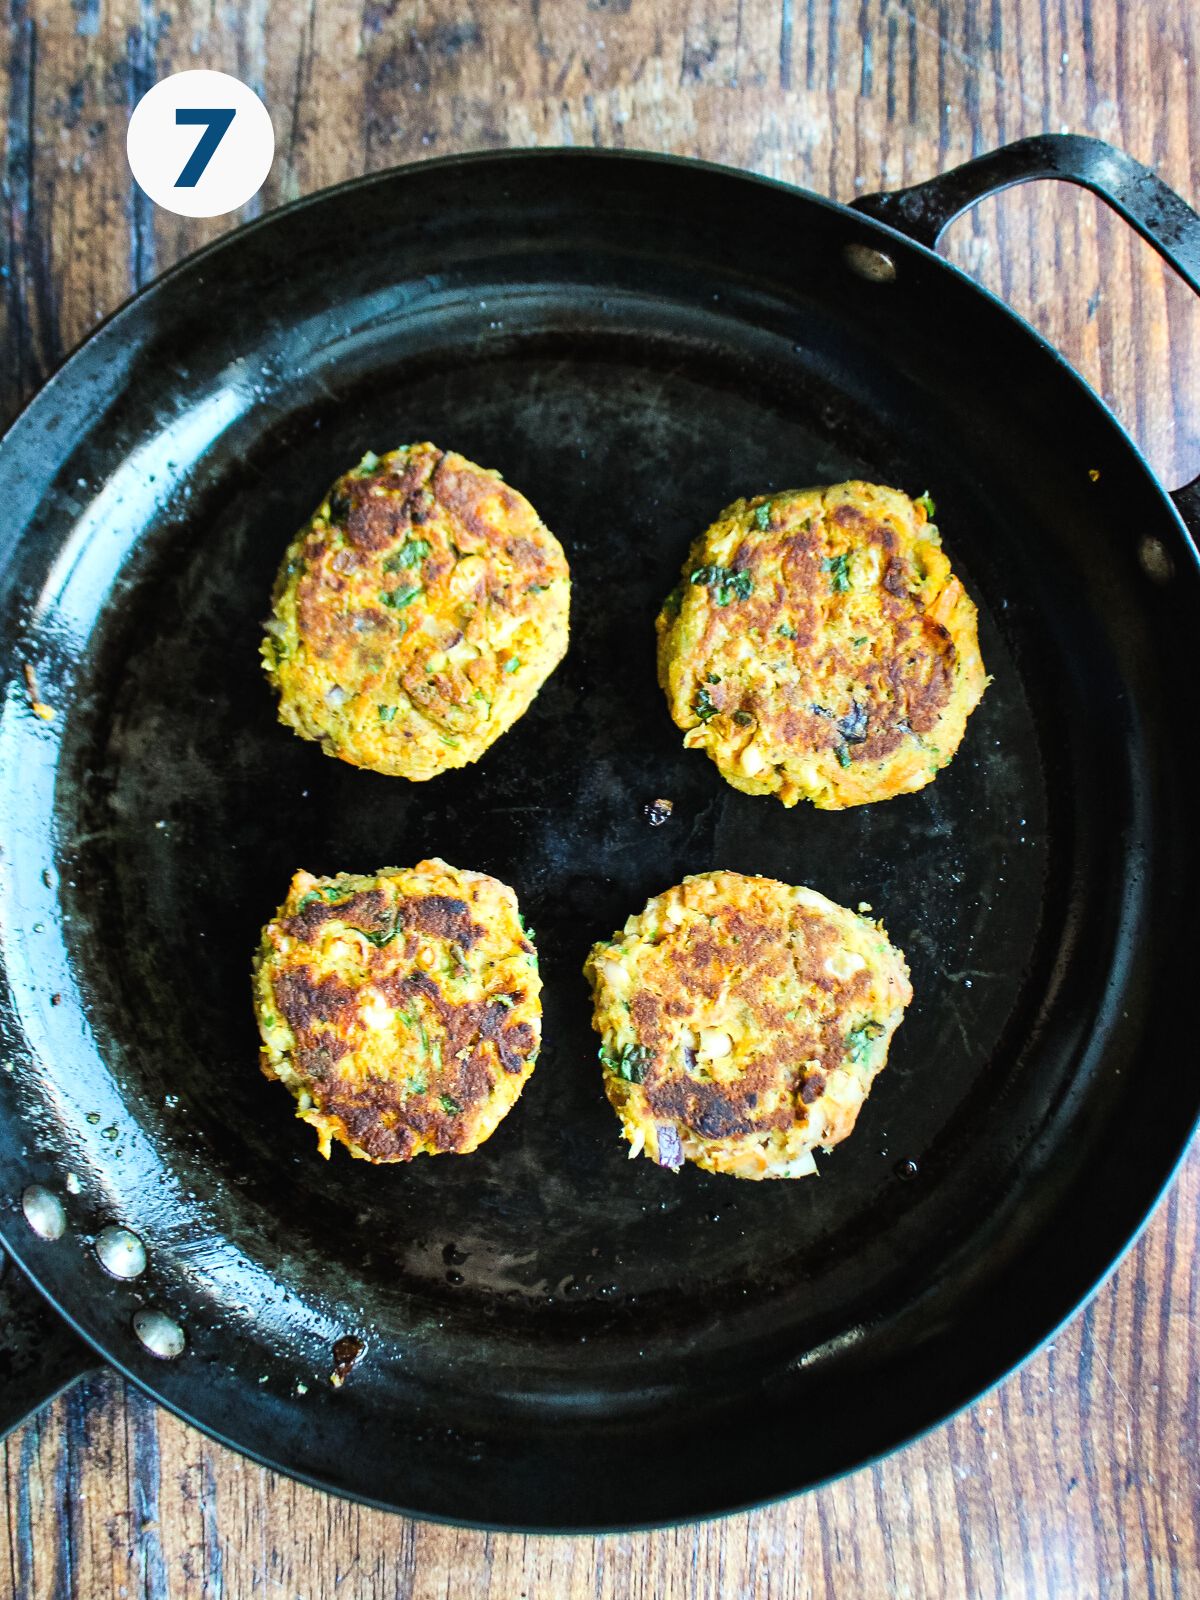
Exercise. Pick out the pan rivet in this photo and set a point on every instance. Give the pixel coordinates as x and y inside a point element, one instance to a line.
<point>120,1252</point>
<point>1155,559</point>
<point>44,1212</point>
<point>869,263</point>
<point>160,1334</point>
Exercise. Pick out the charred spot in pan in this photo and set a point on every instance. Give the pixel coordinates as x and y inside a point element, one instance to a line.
<point>347,1352</point>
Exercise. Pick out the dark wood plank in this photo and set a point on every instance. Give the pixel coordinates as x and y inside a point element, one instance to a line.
<point>1076,1477</point>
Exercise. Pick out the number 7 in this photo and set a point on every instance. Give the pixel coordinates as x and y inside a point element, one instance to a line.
<point>216,126</point>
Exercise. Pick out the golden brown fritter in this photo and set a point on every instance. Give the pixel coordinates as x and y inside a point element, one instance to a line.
<point>417,615</point>
<point>402,1010</point>
<point>743,1022</point>
<point>819,647</point>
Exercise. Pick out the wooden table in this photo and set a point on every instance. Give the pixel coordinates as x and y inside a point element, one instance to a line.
<point>1079,1476</point>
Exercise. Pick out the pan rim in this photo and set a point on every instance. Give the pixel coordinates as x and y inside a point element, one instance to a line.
<point>1135,458</point>
<point>596,1530</point>
<point>533,153</point>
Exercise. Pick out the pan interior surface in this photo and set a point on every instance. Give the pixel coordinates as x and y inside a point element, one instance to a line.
<point>533,1313</point>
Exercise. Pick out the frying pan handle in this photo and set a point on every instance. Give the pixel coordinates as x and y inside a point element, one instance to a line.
<point>39,1355</point>
<point>1162,217</point>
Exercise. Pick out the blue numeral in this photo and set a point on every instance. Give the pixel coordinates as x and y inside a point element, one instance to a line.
<point>216,126</point>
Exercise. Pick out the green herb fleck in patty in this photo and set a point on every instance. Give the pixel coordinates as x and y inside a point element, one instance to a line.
<point>725,583</point>
<point>838,568</point>
<point>399,598</point>
<point>859,1041</point>
<point>327,892</point>
<point>409,555</point>
<point>629,1062</point>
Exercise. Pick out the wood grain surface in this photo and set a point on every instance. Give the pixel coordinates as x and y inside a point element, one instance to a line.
<point>1079,1476</point>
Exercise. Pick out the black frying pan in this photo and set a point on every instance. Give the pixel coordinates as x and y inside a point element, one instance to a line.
<point>554,1336</point>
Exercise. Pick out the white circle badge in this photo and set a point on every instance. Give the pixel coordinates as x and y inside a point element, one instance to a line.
<point>200,143</point>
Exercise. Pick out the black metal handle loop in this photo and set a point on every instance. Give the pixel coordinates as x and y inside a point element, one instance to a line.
<point>39,1354</point>
<point>1162,217</point>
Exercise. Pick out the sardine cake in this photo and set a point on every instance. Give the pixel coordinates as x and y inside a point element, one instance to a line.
<point>417,614</point>
<point>743,1022</point>
<point>820,648</point>
<point>402,1010</point>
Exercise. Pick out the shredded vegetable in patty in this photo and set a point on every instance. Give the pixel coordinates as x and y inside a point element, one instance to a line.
<point>819,648</point>
<point>743,1022</point>
<point>402,1010</point>
<point>416,615</point>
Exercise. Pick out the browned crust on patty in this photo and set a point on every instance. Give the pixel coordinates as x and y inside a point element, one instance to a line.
<point>417,614</point>
<point>412,1013</point>
<point>863,660</point>
<point>740,962</point>
<point>743,1020</point>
